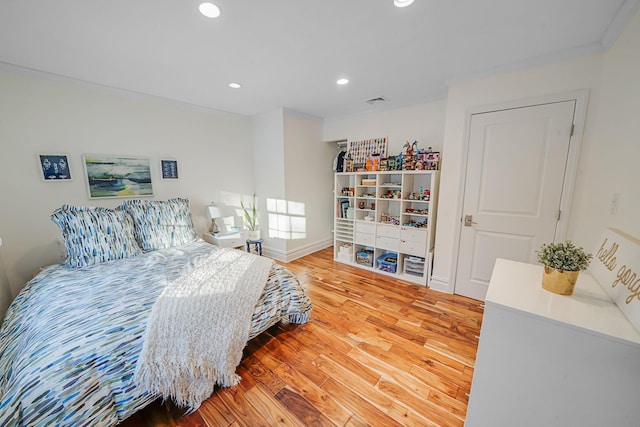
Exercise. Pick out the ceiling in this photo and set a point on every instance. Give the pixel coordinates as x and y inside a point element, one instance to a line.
<point>289,53</point>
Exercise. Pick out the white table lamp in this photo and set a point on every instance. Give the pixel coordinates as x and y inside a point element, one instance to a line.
<point>213,212</point>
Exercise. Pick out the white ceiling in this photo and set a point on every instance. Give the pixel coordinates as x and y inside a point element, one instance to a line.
<point>289,53</point>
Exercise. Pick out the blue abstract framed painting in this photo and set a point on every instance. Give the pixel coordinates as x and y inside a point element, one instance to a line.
<point>117,176</point>
<point>55,167</point>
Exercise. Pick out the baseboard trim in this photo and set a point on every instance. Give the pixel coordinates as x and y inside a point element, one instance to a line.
<point>288,256</point>
<point>440,284</point>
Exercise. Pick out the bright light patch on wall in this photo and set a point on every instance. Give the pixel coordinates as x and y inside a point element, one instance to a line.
<point>209,10</point>
<point>287,219</point>
<point>235,85</point>
<point>342,81</point>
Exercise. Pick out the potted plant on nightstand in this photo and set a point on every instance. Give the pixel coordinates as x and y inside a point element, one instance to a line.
<point>562,265</point>
<point>251,218</point>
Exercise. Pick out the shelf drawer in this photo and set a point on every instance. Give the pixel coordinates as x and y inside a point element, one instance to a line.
<point>365,239</point>
<point>388,231</point>
<point>388,243</point>
<point>413,248</point>
<point>410,234</point>
<point>365,227</point>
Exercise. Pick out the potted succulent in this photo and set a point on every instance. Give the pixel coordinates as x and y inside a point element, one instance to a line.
<point>562,265</point>
<point>251,218</point>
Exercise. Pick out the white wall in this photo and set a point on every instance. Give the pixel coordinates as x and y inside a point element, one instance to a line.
<point>293,164</point>
<point>5,290</point>
<point>39,115</point>
<point>612,149</point>
<point>423,122</point>
<point>269,166</point>
<point>309,180</point>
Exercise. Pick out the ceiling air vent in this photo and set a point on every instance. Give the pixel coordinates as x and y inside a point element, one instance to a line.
<point>377,100</point>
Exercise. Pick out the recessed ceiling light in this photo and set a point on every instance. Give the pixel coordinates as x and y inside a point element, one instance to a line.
<point>235,85</point>
<point>342,81</point>
<point>402,3</point>
<point>209,10</point>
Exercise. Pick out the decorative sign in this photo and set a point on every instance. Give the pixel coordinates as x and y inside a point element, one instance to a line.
<point>616,266</point>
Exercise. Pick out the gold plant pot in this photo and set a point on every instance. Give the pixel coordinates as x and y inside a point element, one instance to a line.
<point>559,281</point>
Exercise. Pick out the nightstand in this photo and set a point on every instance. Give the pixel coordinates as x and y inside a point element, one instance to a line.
<point>227,240</point>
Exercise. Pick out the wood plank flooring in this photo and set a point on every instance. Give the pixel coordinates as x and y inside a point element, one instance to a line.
<point>377,351</point>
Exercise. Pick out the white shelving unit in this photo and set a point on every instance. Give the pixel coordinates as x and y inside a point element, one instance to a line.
<point>385,216</point>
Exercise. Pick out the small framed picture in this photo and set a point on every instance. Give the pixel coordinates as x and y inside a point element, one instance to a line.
<point>169,169</point>
<point>55,167</point>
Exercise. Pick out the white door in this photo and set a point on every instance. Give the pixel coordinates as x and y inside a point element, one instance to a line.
<point>515,173</point>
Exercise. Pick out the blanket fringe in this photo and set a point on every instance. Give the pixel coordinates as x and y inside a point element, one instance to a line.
<point>190,390</point>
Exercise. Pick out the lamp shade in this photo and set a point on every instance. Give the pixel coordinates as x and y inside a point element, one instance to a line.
<point>219,211</point>
<point>213,211</point>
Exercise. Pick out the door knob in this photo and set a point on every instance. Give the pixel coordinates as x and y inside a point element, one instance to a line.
<point>468,220</point>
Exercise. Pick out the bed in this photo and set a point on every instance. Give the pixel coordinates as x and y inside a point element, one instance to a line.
<point>73,338</point>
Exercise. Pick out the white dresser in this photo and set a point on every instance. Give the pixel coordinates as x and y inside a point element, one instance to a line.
<point>548,360</point>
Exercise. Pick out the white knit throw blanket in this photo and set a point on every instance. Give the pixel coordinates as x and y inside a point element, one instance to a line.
<point>199,326</point>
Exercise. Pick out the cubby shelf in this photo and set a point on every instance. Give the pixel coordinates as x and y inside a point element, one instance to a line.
<point>386,217</point>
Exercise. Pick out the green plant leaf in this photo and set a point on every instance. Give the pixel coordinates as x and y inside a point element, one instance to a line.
<point>564,256</point>
<point>250,214</point>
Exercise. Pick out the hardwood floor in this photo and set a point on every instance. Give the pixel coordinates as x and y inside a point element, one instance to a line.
<point>376,351</point>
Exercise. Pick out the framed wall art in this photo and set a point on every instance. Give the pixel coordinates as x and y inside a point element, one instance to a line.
<point>117,176</point>
<point>169,169</point>
<point>55,167</point>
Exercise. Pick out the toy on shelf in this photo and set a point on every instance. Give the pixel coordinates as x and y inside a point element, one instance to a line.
<point>409,148</point>
<point>408,158</point>
<point>415,224</point>
<point>388,219</point>
<point>371,155</point>
<point>365,257</point>
<point>414,158</point>
<point>432,160</point>
<point>391,194</point>
<point>347,191</point>
<point>423,195</point>
<point>417,211</point>
<point>427,160</point>
<point>388,262</point>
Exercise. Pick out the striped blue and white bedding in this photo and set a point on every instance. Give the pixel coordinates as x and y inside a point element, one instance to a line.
<point>71,339</point>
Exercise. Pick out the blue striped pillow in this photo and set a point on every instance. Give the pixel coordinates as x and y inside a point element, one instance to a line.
<point>161,224</point>
<point>93,235</point>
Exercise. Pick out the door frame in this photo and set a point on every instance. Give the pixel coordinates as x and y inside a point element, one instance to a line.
<point>581,98</point>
